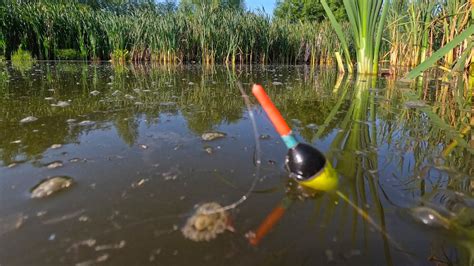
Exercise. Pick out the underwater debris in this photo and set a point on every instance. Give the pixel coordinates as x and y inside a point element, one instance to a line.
<point>28,119</point>
<point>54,165</point>
<point>55,146</point>
<point>86,123</point>
<point>209,150</point>
<point>61,104</point>
<point>296,191</point>
<point>208,136</point>
<point>205,227</point>
<point>50,185</point>
<point>129,97</point>
<point>12,222</point>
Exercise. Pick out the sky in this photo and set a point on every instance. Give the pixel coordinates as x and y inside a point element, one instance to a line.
<point>268,5</point>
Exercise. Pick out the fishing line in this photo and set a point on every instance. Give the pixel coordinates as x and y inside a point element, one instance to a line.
<point>369,219</point>
<point>257,156</point>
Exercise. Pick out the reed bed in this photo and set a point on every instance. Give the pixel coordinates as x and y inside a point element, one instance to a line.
<point>416,29</point>
<point>170,34</point>
<point>155,32</point>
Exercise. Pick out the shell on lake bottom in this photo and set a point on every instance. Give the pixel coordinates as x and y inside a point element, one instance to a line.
<point>205,227</point>
<point>50,186</point>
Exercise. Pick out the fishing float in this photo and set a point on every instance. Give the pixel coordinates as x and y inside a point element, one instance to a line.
<point>306,164</point>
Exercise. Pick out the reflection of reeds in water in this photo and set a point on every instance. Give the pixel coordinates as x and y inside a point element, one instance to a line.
<point>358,160</point>
<point>436,135</point>
<point>354,149</point>
<point>128,94</point>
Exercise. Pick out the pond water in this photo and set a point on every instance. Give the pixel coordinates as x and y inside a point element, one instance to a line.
<point>128,142</point>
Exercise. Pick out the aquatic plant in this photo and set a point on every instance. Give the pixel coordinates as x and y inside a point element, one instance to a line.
<point>216,33</point>
<point>22,60</point>
<point>153,32</point>
<point>120,56</point>
<point>367,20</point>
<point>2,47</point>
<point>67,54</point>
<point>446,51</point>
<point>21,55</point>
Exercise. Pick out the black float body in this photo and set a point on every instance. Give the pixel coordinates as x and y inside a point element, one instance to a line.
<point>304,161</point>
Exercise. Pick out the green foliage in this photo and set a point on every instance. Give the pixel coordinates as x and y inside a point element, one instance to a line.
<point>21,56</point>
<point>2,46</point>
<point>441,52</point>
<point>207,32</point>
<point>22,60</point>
<point>120,56</point>
<point>67,54</point>
<point>193,5</point>
<point>308,10</point>
<point>367,19</point>
<point>222,31</point>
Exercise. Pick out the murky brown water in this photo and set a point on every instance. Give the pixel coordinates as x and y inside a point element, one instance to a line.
<point>130,139</point>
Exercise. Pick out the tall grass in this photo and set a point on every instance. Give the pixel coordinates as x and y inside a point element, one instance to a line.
<point>152,32</point>
<point>415,35</point>
<point>210,34</point>
<point>367,19</point>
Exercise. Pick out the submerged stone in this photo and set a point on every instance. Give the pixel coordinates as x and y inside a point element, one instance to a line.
<point>213,135</point>
<point>207,223</point>
<point>54,165</point>
<point>61,104</point>
<point>55,146</point>
<point>209,150</point>
<point>50,185</point>
<point>28,119</point>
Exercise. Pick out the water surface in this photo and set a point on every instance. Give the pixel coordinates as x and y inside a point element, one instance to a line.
<point>139,165</point>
